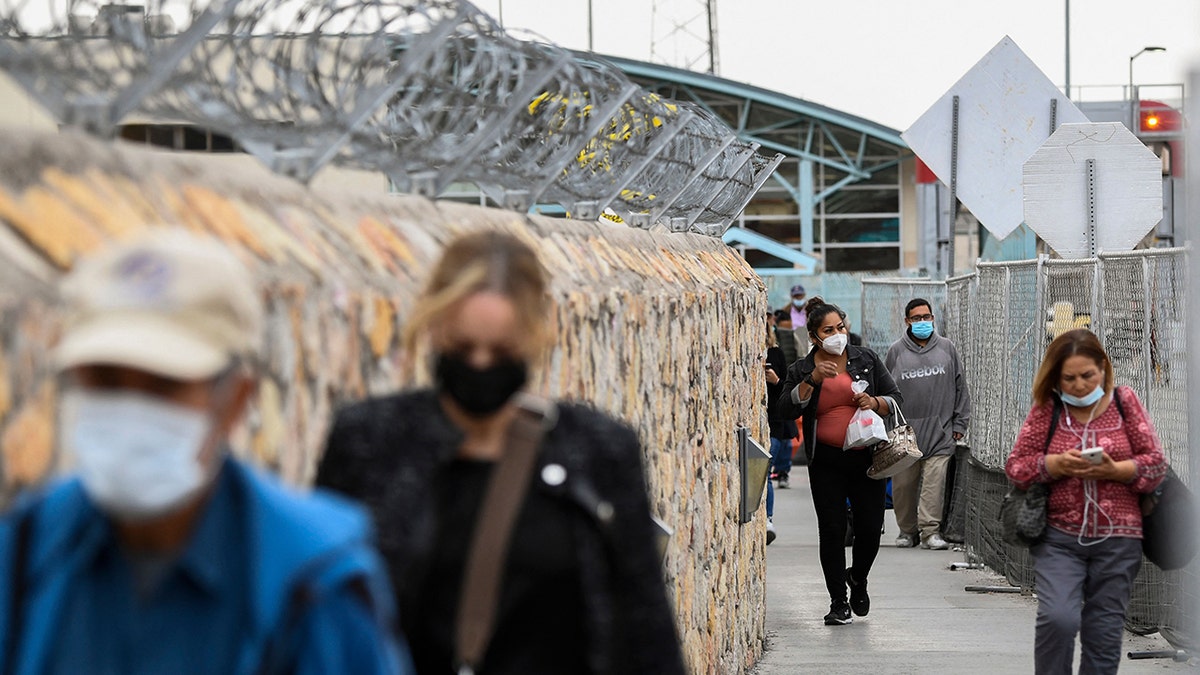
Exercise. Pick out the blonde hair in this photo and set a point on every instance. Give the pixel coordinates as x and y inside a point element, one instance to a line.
<point>772,339</point>
<point>1078,342</point>
<point>478,262</point>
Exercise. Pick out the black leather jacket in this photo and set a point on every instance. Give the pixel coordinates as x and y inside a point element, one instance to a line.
<point>387,451</point>
<point>861,364</point>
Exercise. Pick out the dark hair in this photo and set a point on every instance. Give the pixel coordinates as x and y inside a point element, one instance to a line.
<point>816,308</point>
<point>1078,342</point>
<point>915,303</point>
<point>783,315</point>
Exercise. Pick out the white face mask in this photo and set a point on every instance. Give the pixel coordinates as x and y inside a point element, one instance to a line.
<point>835,344</point>
<point>137,455</point>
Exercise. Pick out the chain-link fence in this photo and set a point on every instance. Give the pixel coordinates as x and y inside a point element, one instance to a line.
<point>883,302</point>
<point>1002,317</point>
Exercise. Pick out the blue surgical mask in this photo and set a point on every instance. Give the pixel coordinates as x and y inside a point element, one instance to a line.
<point>798,304</point>
<point>138,456</point>
<point>1083,401</point>
<point>922,329</point>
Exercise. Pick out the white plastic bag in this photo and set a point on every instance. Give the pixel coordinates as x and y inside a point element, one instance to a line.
<point>866,428</point>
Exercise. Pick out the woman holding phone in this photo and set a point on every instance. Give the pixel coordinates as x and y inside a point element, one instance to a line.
<point>1095,446</point>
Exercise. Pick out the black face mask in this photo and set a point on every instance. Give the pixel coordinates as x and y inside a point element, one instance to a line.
<point>479,392</point>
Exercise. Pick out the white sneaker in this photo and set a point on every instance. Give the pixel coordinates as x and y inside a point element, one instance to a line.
<point>935,542</point>
<point>906,540</point>
<point>770,531</point>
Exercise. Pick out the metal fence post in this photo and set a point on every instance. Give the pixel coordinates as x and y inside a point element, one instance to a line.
<point>1099,300</point>
<point>1147,365</point>
<point>1006,307</point>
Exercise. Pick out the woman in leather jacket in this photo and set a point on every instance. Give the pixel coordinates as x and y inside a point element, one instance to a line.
<point>818,387</point>
<point>582,589</point>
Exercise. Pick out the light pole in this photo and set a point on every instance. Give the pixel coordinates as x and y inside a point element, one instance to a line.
<point>1067,43</point>
<point>1144,50</point>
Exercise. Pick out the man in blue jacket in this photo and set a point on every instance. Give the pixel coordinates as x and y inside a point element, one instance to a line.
<point>165,554</point>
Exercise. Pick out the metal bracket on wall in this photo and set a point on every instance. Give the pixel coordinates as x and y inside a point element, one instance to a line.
<point>755,466</point>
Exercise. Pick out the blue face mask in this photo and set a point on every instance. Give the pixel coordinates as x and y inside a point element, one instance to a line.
<point>798,304</point>
<point>1083,401</point>
<point>922,329</point>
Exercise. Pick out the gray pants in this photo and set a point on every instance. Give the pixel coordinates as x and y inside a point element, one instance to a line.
<point>918,496</point>
<point>1084,590</point>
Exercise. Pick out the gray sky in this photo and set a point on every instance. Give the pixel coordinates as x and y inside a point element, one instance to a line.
<point>889,60</point>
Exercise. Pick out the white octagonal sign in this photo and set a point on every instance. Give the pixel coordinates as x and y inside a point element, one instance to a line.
<point>1004,115</point>
<point>1126,183</point>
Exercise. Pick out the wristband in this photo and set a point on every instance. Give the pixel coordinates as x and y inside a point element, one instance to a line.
<point>808,379</point>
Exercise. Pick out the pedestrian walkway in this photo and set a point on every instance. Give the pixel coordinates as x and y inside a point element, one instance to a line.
<point>921,620</point>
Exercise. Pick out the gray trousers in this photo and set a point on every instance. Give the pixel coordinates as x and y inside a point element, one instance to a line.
<point>918,496</point>
<point>1084,590</point>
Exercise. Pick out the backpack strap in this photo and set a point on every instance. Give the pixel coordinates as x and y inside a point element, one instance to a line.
<point>18,589</point>
<point>279,654</point>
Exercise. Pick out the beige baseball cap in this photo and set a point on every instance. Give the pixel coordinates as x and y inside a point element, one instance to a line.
<point>168,302</point>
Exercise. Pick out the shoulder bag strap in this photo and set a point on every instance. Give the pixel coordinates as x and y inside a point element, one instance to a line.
<point>17,592</point>
<point>1054,414</point>
<point>1117,400</point>
<point>506,490</point>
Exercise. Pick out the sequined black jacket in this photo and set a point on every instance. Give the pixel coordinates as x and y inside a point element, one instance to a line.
<point>386,452</point>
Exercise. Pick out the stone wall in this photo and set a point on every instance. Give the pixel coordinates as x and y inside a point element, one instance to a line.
<point>662,330</point>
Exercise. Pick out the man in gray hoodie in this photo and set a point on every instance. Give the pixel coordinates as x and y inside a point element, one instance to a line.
<point>937,404</point>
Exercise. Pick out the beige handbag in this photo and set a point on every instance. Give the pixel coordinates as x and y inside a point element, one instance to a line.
<point>899,452</point>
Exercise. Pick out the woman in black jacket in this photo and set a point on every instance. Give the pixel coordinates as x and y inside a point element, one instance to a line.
<point>818,387</point>
<point>582,590</point>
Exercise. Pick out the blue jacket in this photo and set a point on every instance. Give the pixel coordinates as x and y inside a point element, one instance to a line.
<point>317,598</point>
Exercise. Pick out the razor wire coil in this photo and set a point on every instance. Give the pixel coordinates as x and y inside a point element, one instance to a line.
<point>428,92</point>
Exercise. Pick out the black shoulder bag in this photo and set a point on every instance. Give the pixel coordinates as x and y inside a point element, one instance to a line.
<point>1169,521</point>
<point>1023,512</point>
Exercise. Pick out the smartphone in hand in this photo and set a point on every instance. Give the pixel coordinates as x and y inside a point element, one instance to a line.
<point>1093,455</point>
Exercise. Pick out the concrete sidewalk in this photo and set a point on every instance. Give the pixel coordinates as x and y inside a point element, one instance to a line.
<point>921,620</point>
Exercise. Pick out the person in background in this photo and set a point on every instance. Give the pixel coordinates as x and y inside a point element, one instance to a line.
<point>582,589</point>
<point>786,337</point>
<point>1086,564</point>
<point>928,371</point>
<point>796,307</point>
<point>819,388</point>
<point>165,554</point>
<point>782,430</point>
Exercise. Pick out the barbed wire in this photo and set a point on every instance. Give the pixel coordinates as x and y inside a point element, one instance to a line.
<point>429,92</point>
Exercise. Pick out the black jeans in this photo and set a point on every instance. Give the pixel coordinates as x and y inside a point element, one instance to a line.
<point>836,475</point>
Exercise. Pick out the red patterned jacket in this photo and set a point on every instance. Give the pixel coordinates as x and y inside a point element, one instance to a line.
<point>1130,438</point>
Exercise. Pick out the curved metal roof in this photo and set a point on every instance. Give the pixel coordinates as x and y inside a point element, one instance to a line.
<point>836,190</point>
<point>654,71</point>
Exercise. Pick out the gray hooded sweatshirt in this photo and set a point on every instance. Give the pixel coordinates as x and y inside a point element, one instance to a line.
<point>936,400</point>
